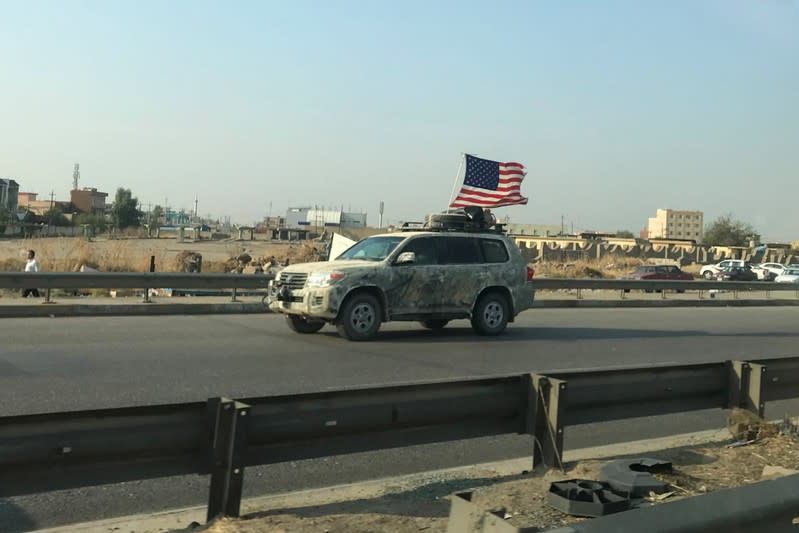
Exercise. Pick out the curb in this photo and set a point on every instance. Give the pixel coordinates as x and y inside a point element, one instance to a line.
<point>228,308</point>
<point>140,309</point>
<point>179,519</point>
<point>605,304</point>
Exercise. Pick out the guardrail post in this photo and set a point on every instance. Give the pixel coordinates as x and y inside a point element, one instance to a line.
<point>233,295</point>
<point>146,296</point>
<point>739,383</point>
<point>622,294</point>
<point>753,398</point>
<point>47,299</point>
<point>579,294</point>
<point>228,454</point>
<point>550,396</point>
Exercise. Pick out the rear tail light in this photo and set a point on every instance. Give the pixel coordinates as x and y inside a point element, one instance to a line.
<point>530,273</point>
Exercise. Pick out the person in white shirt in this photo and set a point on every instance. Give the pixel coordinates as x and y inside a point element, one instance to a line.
<point>31,266</point>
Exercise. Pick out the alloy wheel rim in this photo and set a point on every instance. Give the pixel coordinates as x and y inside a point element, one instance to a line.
<point>363,317</point>
<point>493,314</point>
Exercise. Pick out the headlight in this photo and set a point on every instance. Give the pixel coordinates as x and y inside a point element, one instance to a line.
<point>324,279</point>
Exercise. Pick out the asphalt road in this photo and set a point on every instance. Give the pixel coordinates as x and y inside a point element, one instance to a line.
<point>80,363</point>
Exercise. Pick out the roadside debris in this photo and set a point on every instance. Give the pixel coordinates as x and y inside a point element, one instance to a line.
<point>583,497</point>
<point>635,476</point>
<point>746,427</point>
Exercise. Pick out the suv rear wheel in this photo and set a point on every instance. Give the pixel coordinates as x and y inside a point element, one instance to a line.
<point>708,274</point>
<point>301,324</point>
<point>359,319</point>
<point>490,315</point>
<point>434,324</point>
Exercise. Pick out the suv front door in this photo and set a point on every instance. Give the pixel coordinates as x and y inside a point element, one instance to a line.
<point>415,288</point>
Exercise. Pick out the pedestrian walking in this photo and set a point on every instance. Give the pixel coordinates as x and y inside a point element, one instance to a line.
<point>31,266</point>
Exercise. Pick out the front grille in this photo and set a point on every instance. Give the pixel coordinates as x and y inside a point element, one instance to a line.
<point>293,281</point>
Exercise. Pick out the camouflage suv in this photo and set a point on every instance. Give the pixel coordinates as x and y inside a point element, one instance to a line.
<point>429,276</point>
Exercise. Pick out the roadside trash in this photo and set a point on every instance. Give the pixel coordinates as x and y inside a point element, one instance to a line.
<point>774,472</point>
<point>659,497</point>
<point>746,426</point>
<point>739,443</point>
<point>583,497</point>
<point>635,476</point>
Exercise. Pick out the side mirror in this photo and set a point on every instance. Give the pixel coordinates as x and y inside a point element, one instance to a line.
<point>406,258</point>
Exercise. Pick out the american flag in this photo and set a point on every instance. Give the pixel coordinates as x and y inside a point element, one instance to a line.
<point>490,184</point>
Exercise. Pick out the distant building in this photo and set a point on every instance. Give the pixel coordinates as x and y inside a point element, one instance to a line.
<point>9,192</point>
<point>88,200</point>
<point>24,198</point>
<point>309,218</point>
<point>533,230</point>
<point>672,224</point>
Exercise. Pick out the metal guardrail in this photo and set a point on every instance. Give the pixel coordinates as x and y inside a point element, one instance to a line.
<point>221,437</point>
<point>146,281</point>
<point>130,280</point>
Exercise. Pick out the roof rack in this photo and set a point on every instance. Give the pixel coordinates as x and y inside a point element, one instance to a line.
<point>497,229</point>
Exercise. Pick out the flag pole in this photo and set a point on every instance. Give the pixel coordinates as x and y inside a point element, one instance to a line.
<point>455,183</point>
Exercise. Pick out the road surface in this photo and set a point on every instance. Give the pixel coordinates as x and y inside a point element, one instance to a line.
<point>83,363</point>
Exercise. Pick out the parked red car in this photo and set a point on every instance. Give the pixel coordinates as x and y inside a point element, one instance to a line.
<point>658,272</point>
<point>653,272</point>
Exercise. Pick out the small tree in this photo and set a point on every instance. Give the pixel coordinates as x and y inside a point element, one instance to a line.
<point>727,231</point>
<point>55,217</point>
<point>156,214</point>
<point>625,234</point>
<point>97,223</point>
<point>125,211</point>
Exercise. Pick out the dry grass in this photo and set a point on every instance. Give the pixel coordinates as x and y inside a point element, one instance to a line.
<point>609,268</point>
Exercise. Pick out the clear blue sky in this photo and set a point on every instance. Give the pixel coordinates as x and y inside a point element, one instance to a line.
<point>616,107</point>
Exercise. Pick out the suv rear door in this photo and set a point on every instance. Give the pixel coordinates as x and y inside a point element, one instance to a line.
<point>472,264</point>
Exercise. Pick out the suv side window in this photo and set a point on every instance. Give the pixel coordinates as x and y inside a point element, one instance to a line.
<point>458,251</point>
<point>494,251</point>
<point>425,250</point>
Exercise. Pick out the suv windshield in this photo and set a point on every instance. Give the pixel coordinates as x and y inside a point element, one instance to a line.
<point>372,248</point>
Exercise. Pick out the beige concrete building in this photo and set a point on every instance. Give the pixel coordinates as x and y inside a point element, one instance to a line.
<point>89,200</point>
<point>672,224</point>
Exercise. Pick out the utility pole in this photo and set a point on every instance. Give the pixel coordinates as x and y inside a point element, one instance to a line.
<point>562,228</point>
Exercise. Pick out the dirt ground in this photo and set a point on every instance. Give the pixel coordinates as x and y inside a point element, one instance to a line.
<point>68,254</point>
<point>521,498</point>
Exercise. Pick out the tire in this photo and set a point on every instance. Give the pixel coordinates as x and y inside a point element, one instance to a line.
<point>708,275</point>
<point>434,324</point>
<point>301,324</point>
<point>491,314</point>
<point>359,319</point>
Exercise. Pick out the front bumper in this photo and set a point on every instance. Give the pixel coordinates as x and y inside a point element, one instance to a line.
<point>313,303</point>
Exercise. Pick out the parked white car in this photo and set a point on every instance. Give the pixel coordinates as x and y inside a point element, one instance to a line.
<point>791,275</point>
<point>777,268</point>
<point>763,273</point>
<point>710,271</point>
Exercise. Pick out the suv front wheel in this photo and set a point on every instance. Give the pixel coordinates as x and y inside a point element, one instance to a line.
<point>359,319</point>
<point>490,315</point>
